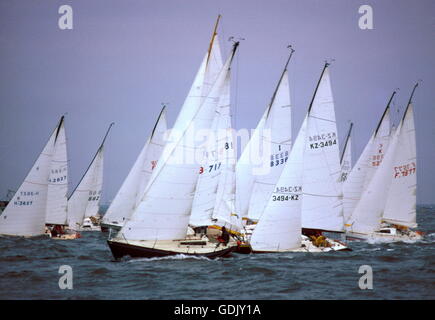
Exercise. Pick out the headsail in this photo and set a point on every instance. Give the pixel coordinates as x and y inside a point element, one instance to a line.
<point>270,143</point>
<point>164,211</point>
<point>279,226</point>
<point>132,189</point>
<point>401,200</point>
<point>367,164</point>
<point>85,200</point>
<point>322,192</point>
<point>26,212</point>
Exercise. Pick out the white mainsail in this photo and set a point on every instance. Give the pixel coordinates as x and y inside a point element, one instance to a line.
<point>270,143</point>
<point>133,187</point>
<point>367,164</point>
<point>279,226</point>
<point>215,159</point>
<point>322,190</point>
<point>346,157</point>
<point>164,211</point>
<point>26,212</point>
<point>400,207</point>
<point>85,200</point>
<point>57,190</point>
<point>366,218</point>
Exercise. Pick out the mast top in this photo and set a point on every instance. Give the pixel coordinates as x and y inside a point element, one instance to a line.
<point>280,79</point>
<point>213,37</point>
<point>410,100</point>
<point>318,84</point>
<point>385,111</point>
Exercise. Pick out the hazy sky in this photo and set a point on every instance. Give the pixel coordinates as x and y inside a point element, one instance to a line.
<point>123,58</point>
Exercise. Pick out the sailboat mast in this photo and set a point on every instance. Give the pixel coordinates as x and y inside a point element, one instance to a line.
<point>213,37</point>
<point>385,112</point>
<point>317,87</point>
<point>90,164</point>
<point>346,141</point>
<point>410,100</point>
<point>158,120</point>
<point>280,79</point>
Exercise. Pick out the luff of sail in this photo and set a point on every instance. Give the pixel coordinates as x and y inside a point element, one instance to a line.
<point>346,156</point>
<point>132,189</point>
<point>322,191</point>
<point>279,227</point>
<point>270,143</point>
<point>164,211</point>
<point>26,212</point>
<point>400,208</point>
<point>56,211</point>
<point>85,199</point>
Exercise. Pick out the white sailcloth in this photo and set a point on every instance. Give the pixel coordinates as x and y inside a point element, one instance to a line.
<point>214,161</point>
<point>56,211</point>
<point>133,187</point>
<point>322,200</point>
<point>364,169</point>
<point>84,201</point>
<point>26,212</point>
<point>346,158</point>
<point>366,218</point>
<point>400,207</point>
<point>164,212</point>
<point>279,226</point>
<point>270,143</point>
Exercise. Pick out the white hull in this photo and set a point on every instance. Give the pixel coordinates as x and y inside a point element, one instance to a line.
<point>384,237</point>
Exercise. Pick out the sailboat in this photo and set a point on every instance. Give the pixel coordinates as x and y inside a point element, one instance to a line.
<point>346,156</point>
<point>132,189</point>
<point>369,161</point>
<point>41,198</point>
<point>159,224</point>
<point>83,203</point>
<point>387,208</point>
<point>307,193</point>
<point>265,155</point>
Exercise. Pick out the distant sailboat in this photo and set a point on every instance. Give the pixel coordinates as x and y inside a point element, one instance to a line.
<point>369,161</point>
<point>159,224</point>
<point>387,208</point>
<point>83,203</point>
<point>133,187</point>
<point>312,160</point>
<point>41,196</point>
<point>271,143</point>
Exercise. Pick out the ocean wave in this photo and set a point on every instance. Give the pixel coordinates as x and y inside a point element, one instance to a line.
<point>174,257</point>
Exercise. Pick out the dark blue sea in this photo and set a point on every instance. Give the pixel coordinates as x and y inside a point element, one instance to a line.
<point>29,269</point>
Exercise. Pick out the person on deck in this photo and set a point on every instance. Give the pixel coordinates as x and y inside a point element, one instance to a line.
<point>224,237</point>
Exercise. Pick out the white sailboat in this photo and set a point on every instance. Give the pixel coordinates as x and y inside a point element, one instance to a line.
<point>133,187</point>
<point>310,175</point>
<point>41,195</point>
<point>83,203</point>
<point>265,155</point>
<point>387,208</point>
<point>159,224</point>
